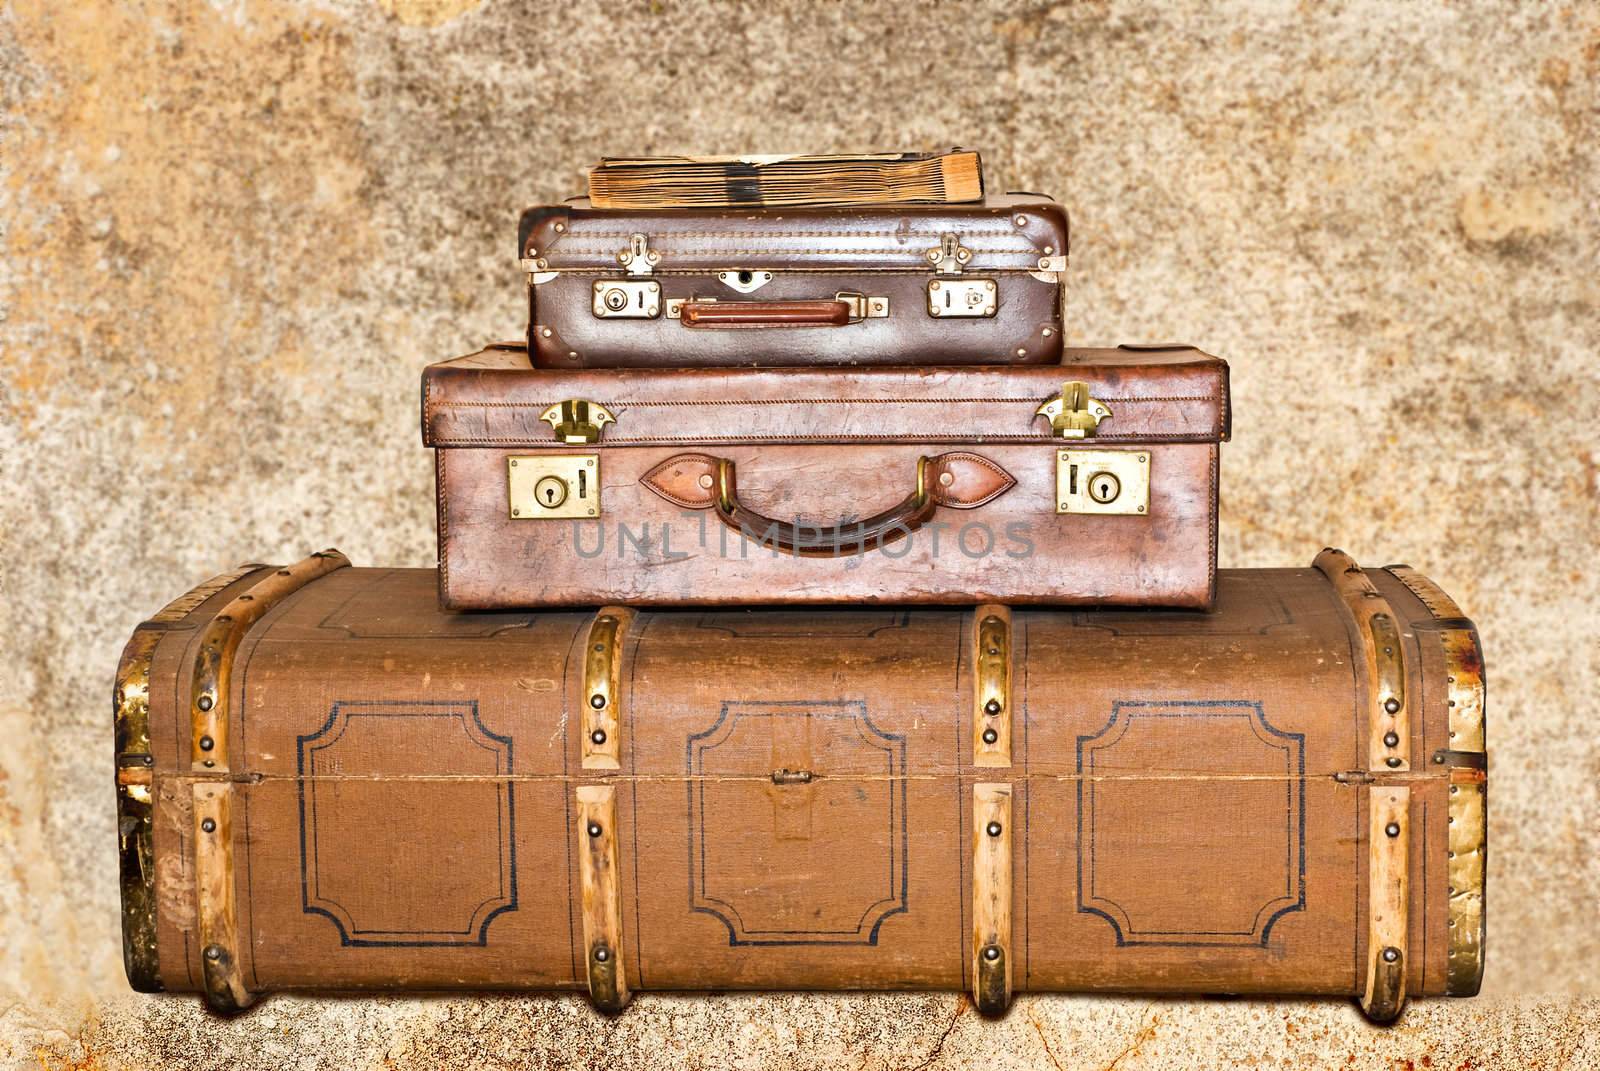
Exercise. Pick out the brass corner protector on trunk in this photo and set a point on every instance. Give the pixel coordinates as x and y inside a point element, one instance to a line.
<point>602,897</point>
<point>1468,759</point>
<point>991,897</point>
<point>135,835</point>
<point>991,691</point>
<point>135,779</point>
<point>1388,712</point>
<point>216,896</point>
<point>601,746</point>
<point>1388,897</point>
<point>1389,716</point>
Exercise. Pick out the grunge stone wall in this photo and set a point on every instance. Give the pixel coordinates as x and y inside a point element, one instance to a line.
<point>234,231</point>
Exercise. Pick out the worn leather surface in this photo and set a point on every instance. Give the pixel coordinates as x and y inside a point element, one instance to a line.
<point>574,236</point>
<point>822,447</point>
<point>405,780</point>
<point>814,253</point>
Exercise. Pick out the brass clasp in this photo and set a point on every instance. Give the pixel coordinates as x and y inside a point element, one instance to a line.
<point>1072,413</point>
<point>951,256</point>
<point>638,258</point>
<point>577,420</point>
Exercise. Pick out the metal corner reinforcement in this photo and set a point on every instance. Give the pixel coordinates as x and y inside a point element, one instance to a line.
<point>135,777</point>
<point>210,693</point>
<point>1467,757</point>
<point>1388,714</point>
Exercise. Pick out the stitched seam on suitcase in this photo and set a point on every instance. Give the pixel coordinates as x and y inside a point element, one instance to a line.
<point>586,233</point>
<point>704,270</point>
<point>444,528</point>
<point>914,437</point>
<point>620,402</point>
<point>769,252</point>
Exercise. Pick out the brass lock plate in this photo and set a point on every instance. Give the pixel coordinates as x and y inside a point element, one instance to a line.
<point>627,299</point>
<point>950,299</point>
<point>553,486</point>
<point>1106,482</point>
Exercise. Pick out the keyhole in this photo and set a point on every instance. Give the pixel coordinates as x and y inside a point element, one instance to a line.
<point>550,491</point>
<point>1104,487</point>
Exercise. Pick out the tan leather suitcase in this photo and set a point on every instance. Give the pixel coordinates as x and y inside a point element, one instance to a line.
<point>1094,481</point>
<point>327,783</point>
<point>900,284</point>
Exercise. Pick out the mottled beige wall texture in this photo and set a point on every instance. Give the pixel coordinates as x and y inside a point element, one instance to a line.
<point>234,231</point>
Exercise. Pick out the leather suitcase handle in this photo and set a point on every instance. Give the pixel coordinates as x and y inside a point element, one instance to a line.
<point>959,480</point>
<point>894,523</point>
<point>828,313</point>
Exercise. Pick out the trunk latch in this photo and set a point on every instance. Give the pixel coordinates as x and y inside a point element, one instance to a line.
<point>1072,413</point>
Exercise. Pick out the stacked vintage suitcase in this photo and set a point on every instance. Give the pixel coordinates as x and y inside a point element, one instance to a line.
<point>808,617</point>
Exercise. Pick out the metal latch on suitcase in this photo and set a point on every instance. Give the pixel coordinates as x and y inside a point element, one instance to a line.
<point>627,299</point>
<point>1073,414</point>
<point>954,298</point>
<point>950,256</point>
<point>553,486</point>
<point>1115,482</point>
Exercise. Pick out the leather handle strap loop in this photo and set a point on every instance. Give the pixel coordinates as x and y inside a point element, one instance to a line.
<point>735,314</point>
<point>896,522</point>
<point>957,480</point>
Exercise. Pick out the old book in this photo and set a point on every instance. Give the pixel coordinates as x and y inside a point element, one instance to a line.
<point>326,782</point>
<point>702,181</point>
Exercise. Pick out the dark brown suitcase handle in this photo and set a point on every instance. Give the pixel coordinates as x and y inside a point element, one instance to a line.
<point>959,479</point>
<point>829,313</point>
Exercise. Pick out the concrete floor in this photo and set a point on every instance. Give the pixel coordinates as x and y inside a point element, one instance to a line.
<point>235,231</point>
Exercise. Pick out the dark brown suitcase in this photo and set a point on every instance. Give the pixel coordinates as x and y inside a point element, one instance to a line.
<point>897,284</point>
<point>1094,481</point>
<point>325,782</point>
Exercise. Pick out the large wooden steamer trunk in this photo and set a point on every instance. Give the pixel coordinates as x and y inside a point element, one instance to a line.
<point>326,782</point>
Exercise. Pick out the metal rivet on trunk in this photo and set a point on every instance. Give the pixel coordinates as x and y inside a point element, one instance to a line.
<point>993,829</point>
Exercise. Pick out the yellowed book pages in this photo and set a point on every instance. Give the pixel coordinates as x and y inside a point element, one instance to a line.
<point>716,181</point>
